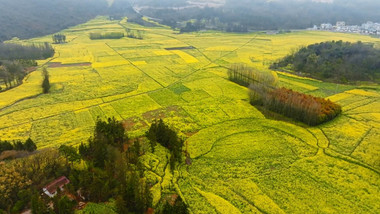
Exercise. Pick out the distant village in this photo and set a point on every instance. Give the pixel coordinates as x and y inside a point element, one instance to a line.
<point>368,28</point>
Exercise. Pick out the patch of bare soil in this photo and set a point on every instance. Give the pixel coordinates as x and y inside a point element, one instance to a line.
<point>60,65</point>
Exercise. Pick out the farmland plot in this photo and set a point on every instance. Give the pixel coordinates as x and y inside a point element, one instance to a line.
<point>241,161</point>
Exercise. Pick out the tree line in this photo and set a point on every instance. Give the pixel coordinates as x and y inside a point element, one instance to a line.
<point>263,91</point>
<point>13,72</point>
<point>301,107</point>
<point>112,170</point>
<point>110,35</point>
<point>254,15</point>
<point>59,38</point>
<point>12,51</point>
<point>244,75</point>
<point>135,34</point>
<point>17,60</point>
<point>335,61</point>
<point>28,145</point>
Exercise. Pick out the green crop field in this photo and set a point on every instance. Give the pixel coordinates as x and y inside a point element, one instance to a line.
<point>241,161</point>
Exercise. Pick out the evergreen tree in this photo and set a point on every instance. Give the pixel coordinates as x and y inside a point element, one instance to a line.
<point>5,145</point>
<point>38,205</point>
<point>70,153</point>
<point>18,145</point>
<point>121,205</point>
<point>64,206</point>
<point>59,38</point>
<point>179,207</point>
<point>161,133</point>
<point>29,145</point>
<point>46,82</point>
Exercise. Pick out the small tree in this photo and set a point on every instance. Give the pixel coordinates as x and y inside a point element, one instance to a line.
<point>59,38</point>
<point>30,145</point>
<point>70,153</point>
<point>45,82</point>
<point>38,205</point>
<point>64,206</point>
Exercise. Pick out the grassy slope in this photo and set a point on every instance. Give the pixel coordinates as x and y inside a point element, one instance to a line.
<point>240,159</point>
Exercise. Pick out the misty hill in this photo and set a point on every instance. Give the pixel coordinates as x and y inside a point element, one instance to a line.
<point>27,19</point>
<point>247,15</point>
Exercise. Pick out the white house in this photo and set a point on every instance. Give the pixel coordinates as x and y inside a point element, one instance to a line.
<point>51,189</point>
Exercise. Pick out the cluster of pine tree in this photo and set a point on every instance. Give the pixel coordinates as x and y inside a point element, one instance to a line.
<point>11,73</point>
<point>244,75</point>
<point>112,170</point>
<point>59,38</point>
<point>28,145</point>
<point>11,51</point>
<point>135,34</point>
<point>110,35</point>
<point>305,108</point>
<point>161,133</point>
<point>263,91</point>
<point>17,60</point>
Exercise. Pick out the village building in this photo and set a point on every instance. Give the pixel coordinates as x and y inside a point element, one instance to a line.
<point>51,189</point>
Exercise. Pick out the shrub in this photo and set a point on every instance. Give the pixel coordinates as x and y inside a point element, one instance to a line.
<point>111,35</point>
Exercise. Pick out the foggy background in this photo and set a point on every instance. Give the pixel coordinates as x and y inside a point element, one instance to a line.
<point>31,18</point>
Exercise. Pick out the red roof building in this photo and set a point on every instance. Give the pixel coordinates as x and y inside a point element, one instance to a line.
<point>51,189</point>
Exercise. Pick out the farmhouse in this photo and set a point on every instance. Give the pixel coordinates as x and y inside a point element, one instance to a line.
<point>51,189</point>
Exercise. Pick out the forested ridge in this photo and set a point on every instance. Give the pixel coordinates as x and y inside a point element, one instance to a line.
<point>246,15</point>
<point>26,19</point>
<point>335,61</point>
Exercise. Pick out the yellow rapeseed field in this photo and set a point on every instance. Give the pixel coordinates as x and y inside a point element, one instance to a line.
<point>241,161</point>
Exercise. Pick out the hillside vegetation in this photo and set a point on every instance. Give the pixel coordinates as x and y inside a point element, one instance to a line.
<point>335,61</point>
<point>246,15</point>
<point>237,160</point>
<point>26,19</point>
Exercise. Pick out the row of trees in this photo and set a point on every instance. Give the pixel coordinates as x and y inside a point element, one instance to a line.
<point>335,61</point>
<point>305,108</point>
<point>11,51</point>
<point>135,34</point>
<point>59,38</point>
<point>28,145</point>
<point>244,75</point>
<point>110,35</point>
<point>192,26</point>
<point>263,91</point>
<point>16,60</point>
<point>11,73</point>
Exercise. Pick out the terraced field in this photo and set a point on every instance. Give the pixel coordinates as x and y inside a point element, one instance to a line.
<point>241,161</point>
